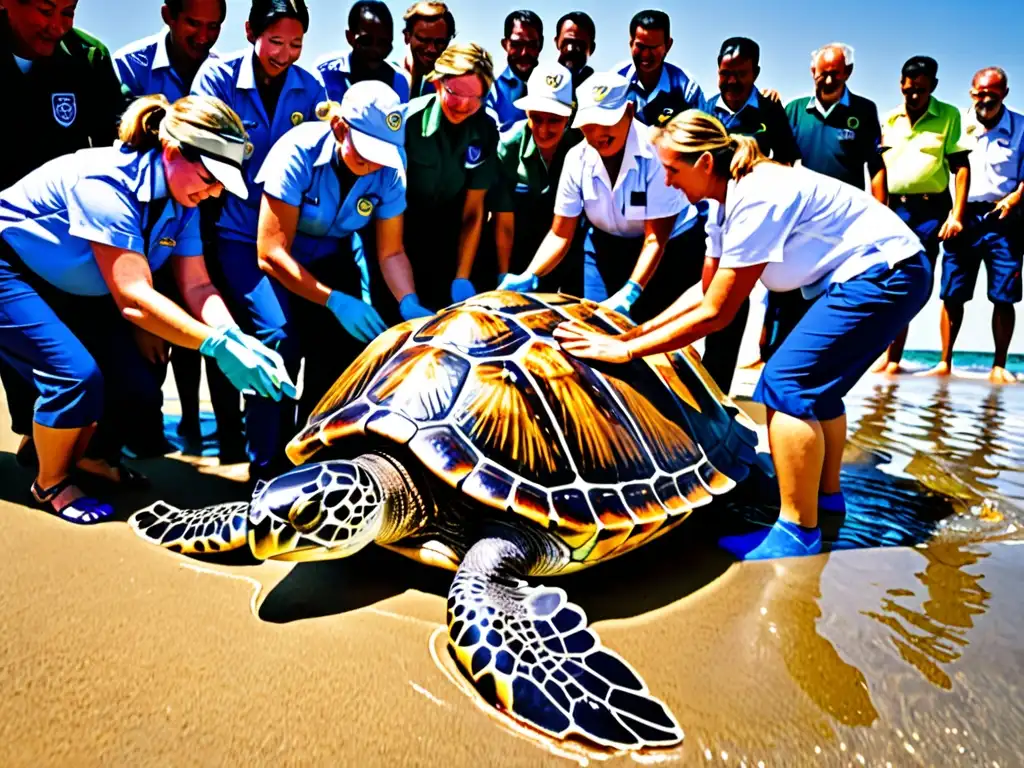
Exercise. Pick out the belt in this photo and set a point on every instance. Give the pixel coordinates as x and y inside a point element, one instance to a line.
<point>936,196</point>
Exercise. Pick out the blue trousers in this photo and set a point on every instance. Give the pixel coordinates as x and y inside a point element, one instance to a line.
<point>297,329</point>
<point>76,354</point>
<point>839,337</point>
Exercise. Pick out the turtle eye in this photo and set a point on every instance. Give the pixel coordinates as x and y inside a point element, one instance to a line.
<point>306,515</point>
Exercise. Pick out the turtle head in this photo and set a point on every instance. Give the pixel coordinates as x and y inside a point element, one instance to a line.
<point>320,511</point>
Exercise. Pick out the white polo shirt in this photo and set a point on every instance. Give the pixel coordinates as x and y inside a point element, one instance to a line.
<point>997,155</point>
<point>640,192</point>
<point>811,229</point>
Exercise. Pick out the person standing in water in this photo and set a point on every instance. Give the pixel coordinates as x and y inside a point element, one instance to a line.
<point>790,228</point>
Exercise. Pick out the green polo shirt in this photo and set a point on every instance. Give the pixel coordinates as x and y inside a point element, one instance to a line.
<point>917,156</point>
<point>446,159</point>
<point>68,101</point>
<point>838,141</point>
<point>525,178</point>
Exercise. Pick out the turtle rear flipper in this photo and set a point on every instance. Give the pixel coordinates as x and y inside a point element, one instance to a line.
<point>530,652</point>
<point>218,528</point>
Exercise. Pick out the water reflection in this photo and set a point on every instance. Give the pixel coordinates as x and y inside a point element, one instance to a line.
<point>931,634</point>
<point>791,606</point>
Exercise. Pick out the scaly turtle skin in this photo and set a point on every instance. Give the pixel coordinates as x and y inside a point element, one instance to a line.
<point>472,442</point>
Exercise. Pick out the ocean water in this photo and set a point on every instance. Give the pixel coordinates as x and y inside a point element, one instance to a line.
<point>967,362</point>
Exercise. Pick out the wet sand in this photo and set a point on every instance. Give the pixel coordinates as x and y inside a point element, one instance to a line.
<point>117,653</point>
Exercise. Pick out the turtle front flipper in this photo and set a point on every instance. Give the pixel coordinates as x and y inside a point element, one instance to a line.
<point>218,528</point>
<point>530,652</point>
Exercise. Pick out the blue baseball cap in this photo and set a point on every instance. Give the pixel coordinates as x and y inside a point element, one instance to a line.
<point>376,119</point>
<point>601,99</point>
<point>548,90</point>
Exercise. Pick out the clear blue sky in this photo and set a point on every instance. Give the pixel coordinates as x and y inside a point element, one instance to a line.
<point>884,34</point>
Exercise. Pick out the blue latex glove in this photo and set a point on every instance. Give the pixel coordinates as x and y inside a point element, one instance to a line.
<point>410,308</point>
<point>622,300</point>
<point>462,289</point>
<point>356,316</point>
<point>248,364</point>
<point>524,282</point>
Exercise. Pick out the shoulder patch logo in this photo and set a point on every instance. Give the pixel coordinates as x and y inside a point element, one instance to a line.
<point>65,108</point>
<point>365,206</point>
<point>296,118</point>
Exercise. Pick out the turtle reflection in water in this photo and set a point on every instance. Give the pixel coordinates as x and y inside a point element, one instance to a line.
<point>471,441</point>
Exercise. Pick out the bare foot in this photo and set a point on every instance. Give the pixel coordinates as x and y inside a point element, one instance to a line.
<point>880,364</point>
<point>894,369</point>
<point>942,369</point>
<point>100,468</point>
<point>1001,376</point>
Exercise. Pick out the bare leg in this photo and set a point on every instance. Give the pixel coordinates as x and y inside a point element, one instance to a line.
<point>949,326</point>
<point>56,449</point>
<point>834,433</point>
<point>798,450</point>
<point>893,366</point>
<point>1003,319</point>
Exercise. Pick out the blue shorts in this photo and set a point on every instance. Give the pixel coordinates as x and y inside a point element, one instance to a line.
<point>924,214</point>
<point>990,241</point>
<point>842,333</point>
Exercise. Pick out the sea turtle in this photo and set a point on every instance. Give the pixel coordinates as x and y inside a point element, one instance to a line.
<point>471,441</point>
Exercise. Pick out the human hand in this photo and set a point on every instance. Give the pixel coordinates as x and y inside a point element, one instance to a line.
<point>524,282</point>
<point>462,289</point>
<point>624,298</point>
<point>152,347</point>
<point>248,364</point>
<point>358,318</point>
<point>410,308</point>
<point>951,227</point>
<point>580,341</point>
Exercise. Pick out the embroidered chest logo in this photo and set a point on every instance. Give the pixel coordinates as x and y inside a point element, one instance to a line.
<point>845,134</point>
<point>296,118</point>
<point>852,123</point>
<point>474,156</point>
<point>65,108</point>
<point>394,120</point>
<point>365,206</point>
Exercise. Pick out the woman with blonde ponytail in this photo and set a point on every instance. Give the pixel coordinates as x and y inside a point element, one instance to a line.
<point>791,228</point>
<point>97,223</point>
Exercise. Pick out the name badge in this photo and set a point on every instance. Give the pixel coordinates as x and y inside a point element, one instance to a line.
<point>167,242</point>
<point>638,198</point>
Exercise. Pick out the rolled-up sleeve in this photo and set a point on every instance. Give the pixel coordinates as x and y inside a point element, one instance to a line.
<point>103,213</point>
<point>287,171</point>
<point>569,199</point>
<point>393,195</point>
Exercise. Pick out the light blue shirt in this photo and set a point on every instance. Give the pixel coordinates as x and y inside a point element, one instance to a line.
<point>144,68</point>
<point>675,92</point>
<point>500,102</point>
<point>104,195</point>
<point>729,118</point>
<point>233,80</point>
<point>302,170</point>
<point>997,155</point>
<point>336,72</point>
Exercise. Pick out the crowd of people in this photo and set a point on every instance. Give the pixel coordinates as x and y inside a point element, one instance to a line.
<point>238,207</point>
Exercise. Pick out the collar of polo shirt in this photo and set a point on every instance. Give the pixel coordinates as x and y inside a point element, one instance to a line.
<point>752,101</point>
<point>1003,126</point>
<point>814,104</point>
<point>932,109</point>
<point>160,58</point>
<point>634,148</point>
<point>247,75</point>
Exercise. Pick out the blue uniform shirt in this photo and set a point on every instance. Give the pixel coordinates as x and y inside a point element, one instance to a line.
<point>105,195</point>
<point>144,68</point>
<point>500,103</point>
<point>233,81</point>
<point>675,92</point>
<point>336,72</point>
<point>301,170</point>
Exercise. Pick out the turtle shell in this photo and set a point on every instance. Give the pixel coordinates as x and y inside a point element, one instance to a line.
<point>606,457</point>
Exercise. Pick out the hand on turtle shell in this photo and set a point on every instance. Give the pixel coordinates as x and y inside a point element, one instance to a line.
<point>524,282</point>
<point>579,341</point>
<point>356,316</point>
<point>462,289</point>
<point>410,308</point>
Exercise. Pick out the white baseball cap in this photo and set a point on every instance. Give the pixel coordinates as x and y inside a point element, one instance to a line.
<point>549,89</point>
<point>601,99</point>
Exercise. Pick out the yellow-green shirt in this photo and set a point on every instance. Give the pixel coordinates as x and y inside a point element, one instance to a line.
<point>917,156</point>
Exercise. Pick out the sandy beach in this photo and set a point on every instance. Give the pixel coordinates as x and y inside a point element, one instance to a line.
<point>118,653</point>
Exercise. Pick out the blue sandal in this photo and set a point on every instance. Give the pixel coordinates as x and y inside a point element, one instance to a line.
<point>84,510</point>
